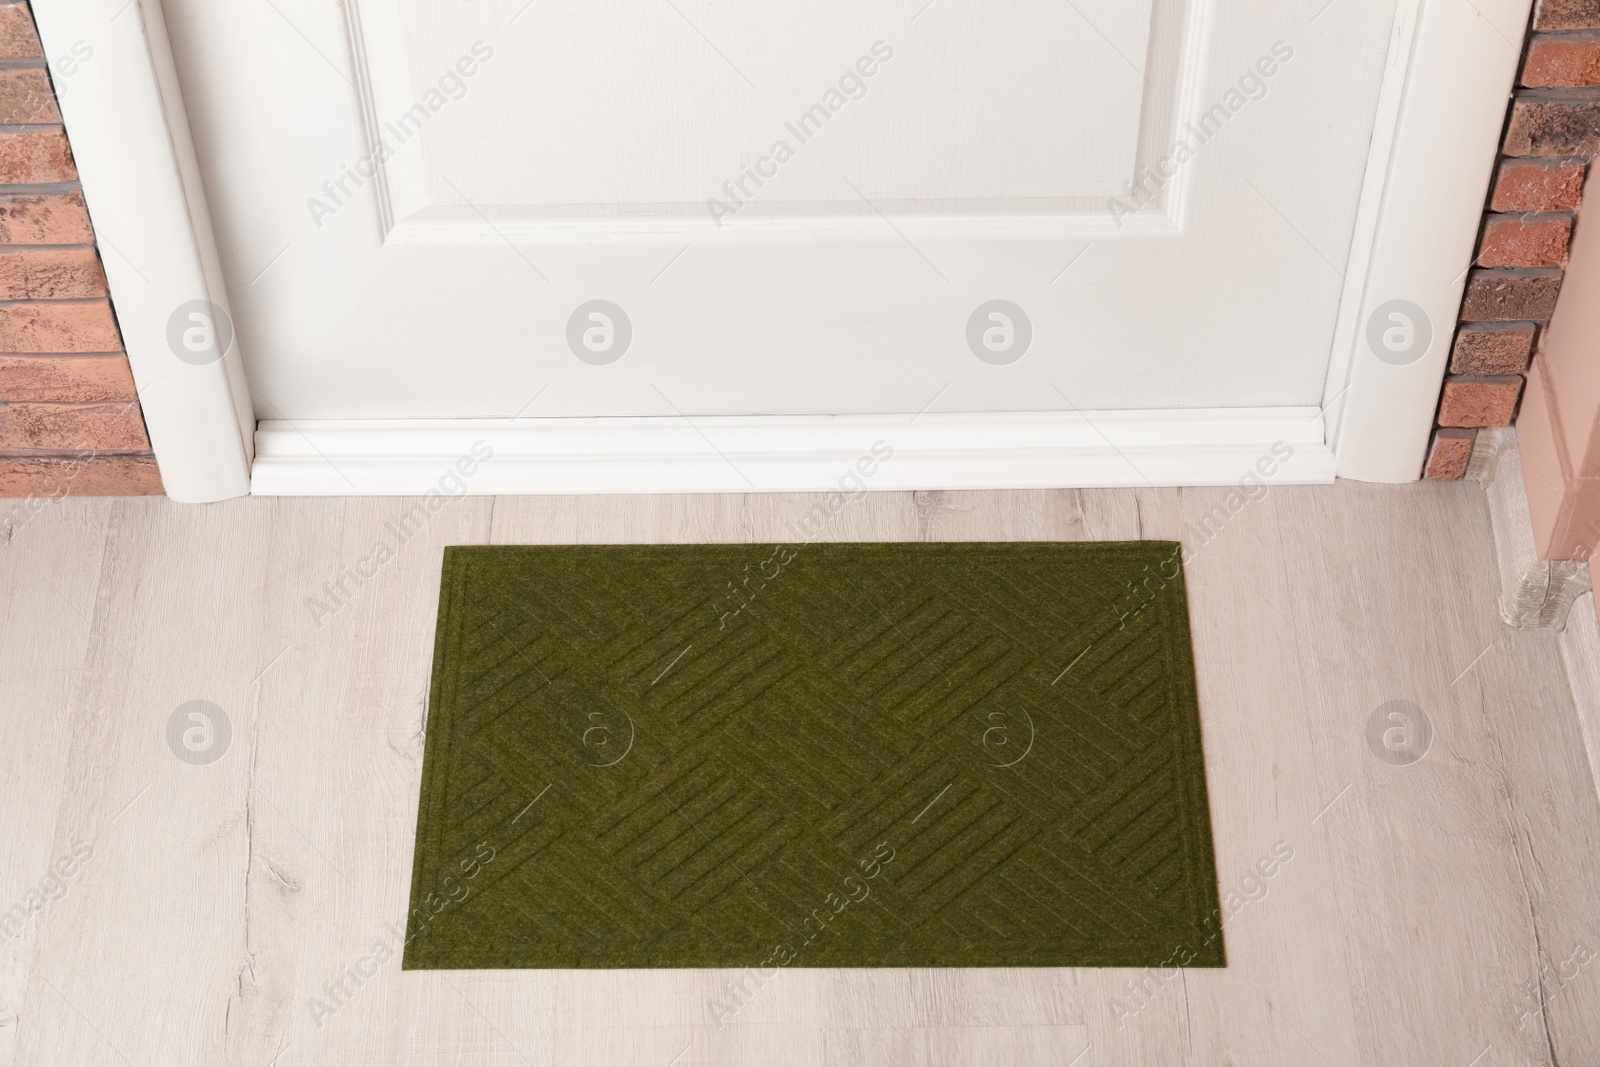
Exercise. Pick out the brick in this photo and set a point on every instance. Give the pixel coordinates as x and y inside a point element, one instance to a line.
<point>74,379</point>
<point>51,274</point>
<point>1449,453</point>
<point>1552,126</point>
<point>1524,240</point>
<point>26,97</point>
<point>85,327</point>
<point>69,427</point>
<point>1489,400</point>
<point>45,219</point>
<point>90,474</point>
<point>35,157</point>
<point>1510,296</point>
<point>18,38</point>
<point>1567,15</point>
<point>1484,349</point>
<point>1537,185</point>
<point>1562,62</point>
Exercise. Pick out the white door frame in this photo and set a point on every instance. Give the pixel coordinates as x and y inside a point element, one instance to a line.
<point>1452,66</point>
<point>130,137</point>
<point>1451,69</point>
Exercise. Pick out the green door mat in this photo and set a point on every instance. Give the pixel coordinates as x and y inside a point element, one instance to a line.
<point>826,755</point>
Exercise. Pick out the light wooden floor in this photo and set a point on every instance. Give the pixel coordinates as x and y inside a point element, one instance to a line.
<point>1445,913</point>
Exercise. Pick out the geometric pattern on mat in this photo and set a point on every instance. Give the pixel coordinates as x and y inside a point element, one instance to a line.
<point>829,755</point>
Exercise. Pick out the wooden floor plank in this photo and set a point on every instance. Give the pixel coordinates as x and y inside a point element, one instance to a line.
<point>49,577</point>
<point>1443,916</point>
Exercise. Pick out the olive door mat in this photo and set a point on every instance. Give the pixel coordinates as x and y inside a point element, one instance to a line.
<point>826,755</point>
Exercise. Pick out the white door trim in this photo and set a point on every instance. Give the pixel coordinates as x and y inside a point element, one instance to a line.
<point>1432,153</point>
<point>1451,70</point>
<point>778,453</point>
<point>130,137</point>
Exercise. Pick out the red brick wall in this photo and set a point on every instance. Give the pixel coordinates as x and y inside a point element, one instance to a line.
<point>1552,133</point>
<point>70,421</point>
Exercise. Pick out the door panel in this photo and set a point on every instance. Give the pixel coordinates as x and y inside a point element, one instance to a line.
<point>625,104</point>
<point>411,217</point>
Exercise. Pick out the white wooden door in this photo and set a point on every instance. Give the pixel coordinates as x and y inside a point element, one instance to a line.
<point>1046,243</point>
<point>808,208</point>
